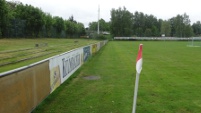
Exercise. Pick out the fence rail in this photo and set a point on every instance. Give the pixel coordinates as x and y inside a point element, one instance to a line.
<point>157,38</point>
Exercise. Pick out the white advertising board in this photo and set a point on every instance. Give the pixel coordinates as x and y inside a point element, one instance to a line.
<point>68,63</point>
<point>98,46</point>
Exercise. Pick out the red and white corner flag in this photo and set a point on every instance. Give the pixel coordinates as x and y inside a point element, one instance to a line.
<point>138,70</point>
<point>139,60</point>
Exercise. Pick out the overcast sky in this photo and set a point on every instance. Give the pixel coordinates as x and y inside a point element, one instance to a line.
<point>86,11</point>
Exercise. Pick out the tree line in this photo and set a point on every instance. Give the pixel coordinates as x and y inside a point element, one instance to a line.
<point>19,20</point>
<point>125,23</point>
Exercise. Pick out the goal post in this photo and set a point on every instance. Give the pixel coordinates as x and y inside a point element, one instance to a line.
<point>194,42</point>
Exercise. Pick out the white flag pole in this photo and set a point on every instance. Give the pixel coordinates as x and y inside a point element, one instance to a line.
<point>138,70</point>
<point>135,92</point>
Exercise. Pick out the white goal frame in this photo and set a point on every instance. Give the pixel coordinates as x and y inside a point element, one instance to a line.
<point>194,42</point>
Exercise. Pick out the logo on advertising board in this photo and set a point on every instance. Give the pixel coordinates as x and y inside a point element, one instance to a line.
<point>87,53</point>
<point>70,64</point>
<point>55,79</point>
<point>94,48</point>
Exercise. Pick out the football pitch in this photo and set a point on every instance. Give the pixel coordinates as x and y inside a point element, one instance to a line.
<point>169,81</point>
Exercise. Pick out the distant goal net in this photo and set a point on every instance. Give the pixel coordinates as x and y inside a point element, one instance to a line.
<point>194,42</point>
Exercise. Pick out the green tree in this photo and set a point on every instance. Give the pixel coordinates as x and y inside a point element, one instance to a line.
<point>104,26</point>
<point>177,23</point>
<point>19,20</point>
<point>181,26</point>
<point>13,23</point>
<point>33,17</point>
<point>139,24</point>
<point>153,22</point>
<point>197,28</point>
<point>93,26</point>
<point>80,29</point>
<point>166,28</point>
<point>121,22</point>
<point>48,23</point>
<point>74,29</point>
<point>58,24</point>
<point>71,18</point>
<point>148,32</point>
<point>155,31</point>
<point>139,32</point>
<point>71,28</point>
<point>0,33</point>
<point>143,23</point>
<point>3,18</point>
<point>68,28</point>
<point>188,31</point>
<point>172,34</point>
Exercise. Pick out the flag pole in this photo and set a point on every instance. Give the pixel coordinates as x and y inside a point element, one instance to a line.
<point>135,92</point>
<point>138,70</point>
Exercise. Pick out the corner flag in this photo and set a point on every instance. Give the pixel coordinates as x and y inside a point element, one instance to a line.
<point>139,60</point>
<point>138,70</point>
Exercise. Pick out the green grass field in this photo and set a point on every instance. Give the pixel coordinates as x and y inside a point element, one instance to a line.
<point>15,53</point>
<point>169,81</point>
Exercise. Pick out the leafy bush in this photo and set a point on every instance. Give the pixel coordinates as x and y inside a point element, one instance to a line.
<point>101,37</point>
